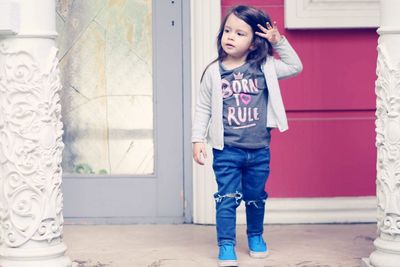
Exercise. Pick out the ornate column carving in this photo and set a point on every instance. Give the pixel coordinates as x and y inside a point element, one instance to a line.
<point>31,219</point>
<point>387,245</point>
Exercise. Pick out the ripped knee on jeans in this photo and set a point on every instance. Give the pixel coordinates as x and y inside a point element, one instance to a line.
<point>256,203</point>
<point>237,196</point>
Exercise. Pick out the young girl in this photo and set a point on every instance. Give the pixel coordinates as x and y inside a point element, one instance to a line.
<point>238,104</point>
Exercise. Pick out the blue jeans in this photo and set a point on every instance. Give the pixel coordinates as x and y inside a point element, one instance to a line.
<point>241,174</point>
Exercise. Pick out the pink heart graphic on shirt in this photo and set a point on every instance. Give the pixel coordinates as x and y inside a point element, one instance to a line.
<point>245,98</point>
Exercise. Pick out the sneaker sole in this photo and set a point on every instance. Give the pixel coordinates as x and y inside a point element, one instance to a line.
<point>258,255</point>
<point>227,263</point>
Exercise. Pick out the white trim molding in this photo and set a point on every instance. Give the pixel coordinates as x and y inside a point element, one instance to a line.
<point>313,14</point>
<point>205,20</point>
<point>317,210</point>
<point>306,210</point>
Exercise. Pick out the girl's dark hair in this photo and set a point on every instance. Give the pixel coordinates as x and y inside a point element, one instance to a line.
<point>261,46</point>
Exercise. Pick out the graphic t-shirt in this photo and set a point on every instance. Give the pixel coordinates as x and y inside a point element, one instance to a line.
<point>245,97</point>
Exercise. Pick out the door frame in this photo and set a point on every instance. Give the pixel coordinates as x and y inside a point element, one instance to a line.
<point>187,108</point>
<point>205,19</point>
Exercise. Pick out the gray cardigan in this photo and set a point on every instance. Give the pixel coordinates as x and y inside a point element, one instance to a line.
<point>208,112</point>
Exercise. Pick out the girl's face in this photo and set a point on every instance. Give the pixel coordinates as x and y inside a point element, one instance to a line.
<point>237,38</point>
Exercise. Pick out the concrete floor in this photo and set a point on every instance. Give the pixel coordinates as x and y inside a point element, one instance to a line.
<point>194,245</point>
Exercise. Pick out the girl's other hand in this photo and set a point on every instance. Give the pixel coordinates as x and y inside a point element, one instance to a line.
<point>269,32</point>
<point>199,153</point>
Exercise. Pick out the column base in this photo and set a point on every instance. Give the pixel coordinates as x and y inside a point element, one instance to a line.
<point>365,263</point>
<point>52,256</point>
<point>386,254</point>
<point>58,262</point>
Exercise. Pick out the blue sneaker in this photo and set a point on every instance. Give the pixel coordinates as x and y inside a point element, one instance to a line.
<point>227,256</point>
<point>257,246</point>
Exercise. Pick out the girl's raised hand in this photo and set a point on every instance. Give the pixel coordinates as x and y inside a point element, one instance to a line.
<point>269,32</point>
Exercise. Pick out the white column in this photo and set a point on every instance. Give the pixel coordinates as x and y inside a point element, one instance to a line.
<point>31,220</point>
<point>387,245</point>
<point>206,19</point>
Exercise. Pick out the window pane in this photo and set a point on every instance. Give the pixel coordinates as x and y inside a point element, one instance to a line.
<point>106,67</point>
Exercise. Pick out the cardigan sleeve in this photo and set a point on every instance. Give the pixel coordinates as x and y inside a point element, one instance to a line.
<point>289,63</point>
<point>202,112</point>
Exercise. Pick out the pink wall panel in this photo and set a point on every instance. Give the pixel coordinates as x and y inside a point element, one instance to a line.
<point>323,155</point>
<point>339,70</point>
<point>330,147</point>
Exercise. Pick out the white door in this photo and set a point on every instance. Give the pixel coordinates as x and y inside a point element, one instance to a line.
<point>122,69</point>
